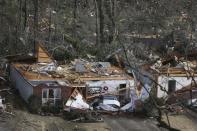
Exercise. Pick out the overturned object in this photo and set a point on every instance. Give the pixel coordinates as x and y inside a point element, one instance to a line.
<point>111,100</point>
<point>126,107</point>
<point>107,107</point>
<point>108,103</point>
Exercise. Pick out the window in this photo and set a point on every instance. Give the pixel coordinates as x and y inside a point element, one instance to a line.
<point>171,86</point>
<point>44,93</point>
<point>57,93</point>
<point>122,86</point>
<point>51,96</point>
<point>51,93</point>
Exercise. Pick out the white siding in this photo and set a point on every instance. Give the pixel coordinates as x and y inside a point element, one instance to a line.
<point>112,85</point>
<point>180,83</point>
<point>24,87</point>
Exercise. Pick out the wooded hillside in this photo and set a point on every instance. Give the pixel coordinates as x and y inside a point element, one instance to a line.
<point>75,28</point>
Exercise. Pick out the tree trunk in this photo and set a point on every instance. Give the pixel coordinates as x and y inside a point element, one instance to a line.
<point>49,26</point>
<point>101,25</point>
<point>25,14</point>
<point>96,15</point>
<point>74,18</point>
<point>35,21</point>
<point>101,19</point>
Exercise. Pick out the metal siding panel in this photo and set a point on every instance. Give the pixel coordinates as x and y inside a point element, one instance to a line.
<point>24,88</point>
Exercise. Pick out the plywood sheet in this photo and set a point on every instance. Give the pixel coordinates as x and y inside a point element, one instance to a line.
<point>42,54</point>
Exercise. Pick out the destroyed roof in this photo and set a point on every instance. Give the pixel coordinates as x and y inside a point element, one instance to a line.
<point>170,57</point>
<point>99,71</point>
<point>30,72</point>
<point>78,71</point>
<point>175,65</point>
<point>33,72</point>
<point>174,71</point>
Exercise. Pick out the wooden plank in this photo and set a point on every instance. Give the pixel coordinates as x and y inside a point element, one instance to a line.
<point>106,78</point>
<point>42,54</point>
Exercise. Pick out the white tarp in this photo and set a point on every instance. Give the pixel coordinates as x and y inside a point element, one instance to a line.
<point>77,102</point>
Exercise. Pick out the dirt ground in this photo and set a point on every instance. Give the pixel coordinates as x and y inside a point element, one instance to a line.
<point>131,124</point>
<point>184,122</point>
<point>24,121</point>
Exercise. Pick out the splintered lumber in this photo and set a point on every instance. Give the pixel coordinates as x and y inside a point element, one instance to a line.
<point>42,54</point>
<point>176,72</point>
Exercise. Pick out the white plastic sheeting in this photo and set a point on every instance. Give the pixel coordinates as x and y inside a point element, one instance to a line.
<point>77,102</point>
<point>48,67</point>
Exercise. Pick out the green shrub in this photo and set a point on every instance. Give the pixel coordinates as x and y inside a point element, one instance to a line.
<point>34,104</point>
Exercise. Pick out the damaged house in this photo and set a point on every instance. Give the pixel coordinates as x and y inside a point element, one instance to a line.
<point>30,77</point>
<point>173,79</point>
<point>72,84</point>
<point>175,73</point>
<point>104,78</point>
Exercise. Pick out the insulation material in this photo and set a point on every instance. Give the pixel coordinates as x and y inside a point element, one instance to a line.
<point>48,67</point>
<point>62,83</point>
<point>141,93</point>
<point>134,97</point>
<point>76,101</point>
<point>142,96</point>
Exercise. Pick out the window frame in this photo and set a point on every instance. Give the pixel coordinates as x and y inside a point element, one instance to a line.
<point>171,86</point>
<point>54,98</point>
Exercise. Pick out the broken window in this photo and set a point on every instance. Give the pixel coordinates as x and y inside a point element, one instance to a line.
<point>171,86</point>
<point>122,91</point>
<point>51,93</point>
<point>122,86</point>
